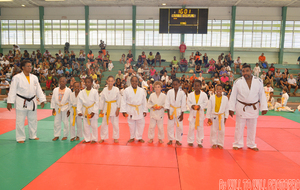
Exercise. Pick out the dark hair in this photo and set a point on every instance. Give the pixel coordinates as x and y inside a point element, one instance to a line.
<point>23,63</point>
<point>219,85</point>
<point>245,65</point>
<point>88,78</point>
<point>134,77</point>
<point>110,77</point>
<point>198,81</point>
<point>76,83</point>
<point>176,80</point>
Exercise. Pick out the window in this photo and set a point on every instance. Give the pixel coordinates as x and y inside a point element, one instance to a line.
<point>292,34</point>
<point>140,33</point>
<point>110,32</point>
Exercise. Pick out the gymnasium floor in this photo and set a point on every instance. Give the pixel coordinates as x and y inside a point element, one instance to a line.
<point>45,164</point>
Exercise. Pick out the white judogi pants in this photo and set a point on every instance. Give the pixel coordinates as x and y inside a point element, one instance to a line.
<point>160,126</point>
<point>104,127</point>
<point>217,136</point>
<point>179,130</point>
<point>136,128</point>
<point>87,135</point>
<point>32,124</point>
<point>239,131</point>
<point>199,134</point>
<point>78,124</point>
<point>61,117</point>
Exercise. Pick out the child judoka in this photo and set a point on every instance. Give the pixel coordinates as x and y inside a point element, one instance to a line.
<point>217,113</point>
<point>271,101</point>
<point>134,106</point>
<point>110,100</point>
<point>175,106</point>
<point>279,106</point>
<point>75,120</point>
<point>156,105</point>
<point>268,89</point>
<point>60,103</point>
<point>88,106</point>
<point>284,97</point>
<point>197,102</point>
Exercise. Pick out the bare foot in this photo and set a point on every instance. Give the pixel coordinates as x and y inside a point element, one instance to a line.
<point>150,141</point>
<point>255,149</point>
<point>116,141</point>
<point>55,138</point>
<point>178,143</point>
<point>214,146</point>
<point>200,145</point>
<point>21,142</point>
<point>35,138</point>
<point>141,140</point>
<point>235,148</point>
<point>101,141</point>
<point>77,138</point>
<point>191,144</point>
<point>131,140</point>
<point>64,138</point>
<point>93,142</point>
<point>84,142</point>
<point>169,143</point>
<point>72,139</point>
<point>161,141</point>
<point>220,147</point>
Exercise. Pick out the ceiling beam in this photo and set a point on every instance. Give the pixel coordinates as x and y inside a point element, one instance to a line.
<point>237,2</point>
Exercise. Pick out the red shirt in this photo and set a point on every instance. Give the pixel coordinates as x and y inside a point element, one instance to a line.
<point>182,48</point>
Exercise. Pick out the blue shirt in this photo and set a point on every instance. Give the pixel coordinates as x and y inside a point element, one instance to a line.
<point>60,72</point>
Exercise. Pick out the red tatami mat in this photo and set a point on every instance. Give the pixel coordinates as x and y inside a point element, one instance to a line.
<point>108,177</point>
<point>276,122</point>
<point>8,125</point>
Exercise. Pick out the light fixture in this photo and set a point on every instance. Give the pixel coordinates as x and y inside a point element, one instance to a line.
<point>5,0</point>
<point>54,0</point>
<point>164,4</point>
<point>23,5</point>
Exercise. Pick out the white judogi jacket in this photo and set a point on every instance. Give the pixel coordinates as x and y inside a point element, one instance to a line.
<point>267,91</point>
<point>202,102</point>
<point>179,102</point>
<point>241,92</point>
<point>138,98</point>
<point>284,99</point>
<point>73,102</point>
<point>55,104</point>
<point>110,95</point>
<point>88,100</point>
<point>160,101</point>
<point>224,107</point>
<point>19,85</point>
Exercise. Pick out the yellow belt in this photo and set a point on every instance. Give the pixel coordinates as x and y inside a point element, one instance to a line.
<point>60,105</point>
<point>175,114</point>
<point>108,109</point>
<point>197,122</point>
<point>136,108</point>
<point>86,113</point>
<point>74,115</point>
<point>220,119</point>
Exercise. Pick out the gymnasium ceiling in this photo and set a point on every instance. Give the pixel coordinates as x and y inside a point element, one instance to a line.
<point>153,3</point>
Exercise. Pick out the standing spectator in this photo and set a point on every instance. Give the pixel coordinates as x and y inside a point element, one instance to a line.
<point>182,49</point>
<point>183,65</point>
<point>152,71</point>
<point>205,60</point>
<point>157,59</point>
<point>237,64</point>
<point>228,59</point>
<point>292,83</point>
<point>262,61</point>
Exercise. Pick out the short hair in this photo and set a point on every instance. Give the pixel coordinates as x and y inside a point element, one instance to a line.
<point>23,63</point>
<point>176,80</point>
<point>245,65</point>
<point>88,78</point>
<point>268,83</point>
<point>198,81</point>
<point>278,99</point>
<point>62,78</point>
<point>271,92</point>
<point>76,83</point>
<point>285,89</point>
<point>157,83</point>
<point>110,77</point>
<point>134,77</point>
<point>219,85</point>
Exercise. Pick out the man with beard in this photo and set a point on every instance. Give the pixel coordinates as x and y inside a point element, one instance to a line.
<point>246,98</point>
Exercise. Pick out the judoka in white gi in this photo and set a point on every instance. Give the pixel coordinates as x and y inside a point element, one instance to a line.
<point>134,106</point>
<point>280,107</point>
<point>268,89</point>
<point>24,90</point>
<point>217,113</point>
<point>88,107</point>
<point>110,102</point>
<point>284,97</point>
<point>61,104</point>
<point>156,104</point>
<point>75,120</point>
<point>247,97</point>
<point>175,106</point>
<point>271,101</point>
<point>197,102</point>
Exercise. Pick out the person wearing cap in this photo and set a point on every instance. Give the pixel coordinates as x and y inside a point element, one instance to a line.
<point>24,91</point>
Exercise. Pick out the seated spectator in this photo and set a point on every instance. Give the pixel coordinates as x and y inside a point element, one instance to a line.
<point>146,68</point>
<point>157,59</point>
<point>60,54</point>
<point>192,59</point>
<point>47,54</point>
<point>58,64</point>
<point>173,74</point>
<point>198,69</point>
<point>143,56</point>
<point>127,66</point>
<point>81,57</point>
<point>174,64</point>
<point>162,72</point>
<point>270,78</point>
<point>54,83</point>
<point>211,67</point>
<point>90,56</point>
<point>139,62</point>
<point>292,83</point>
<point>198,58</point>
<point>165,78</point>
<point>99,58</point>
<point>193,78</point>
<point>119,75</point>
<point>156,77</point>
<point>4,85</point>
<point>110,65</point>
<point>60,72</point>
<point>278,76</point>
<point>96,85</point>
<point>72,81</point>
<point>272,68</point>
<point>263,77</point>
<point>33,56</point>
<point>68,71</point>
<point>227,67</point>
<point>150,59</point>
<point>262,61</point>
<point>93,75</point>
<point>75,68</point>
<point>129,56</point>
<point>224,78</point>
<point>83,75</point>
<point>227,89</point>
<point>228,59</point>
<point>72,56</point>
<point>215,79</point>
<point>105,62</point>
<point>221,57</point>
<point>65,63</point>
<point>283,81</point>
<point>298,60</point>
<point>219,67</point>
<point>183,65</point>
<point>66,55</point>
<point>123,59</point>
<point>237,64</point>
<point>205,60</point>
<point>25,56</point>
<point>286,72</point>
<point>200,77</point>
<point>223,71</point>
<point>152,71</point>
<point>119,83</point>
<point>140,71</point>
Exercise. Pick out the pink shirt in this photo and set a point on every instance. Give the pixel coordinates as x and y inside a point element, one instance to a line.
<point>224,79</point>
<point>152,72</point>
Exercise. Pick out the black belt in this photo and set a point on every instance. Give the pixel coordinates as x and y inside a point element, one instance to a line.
<point>28,100</point>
